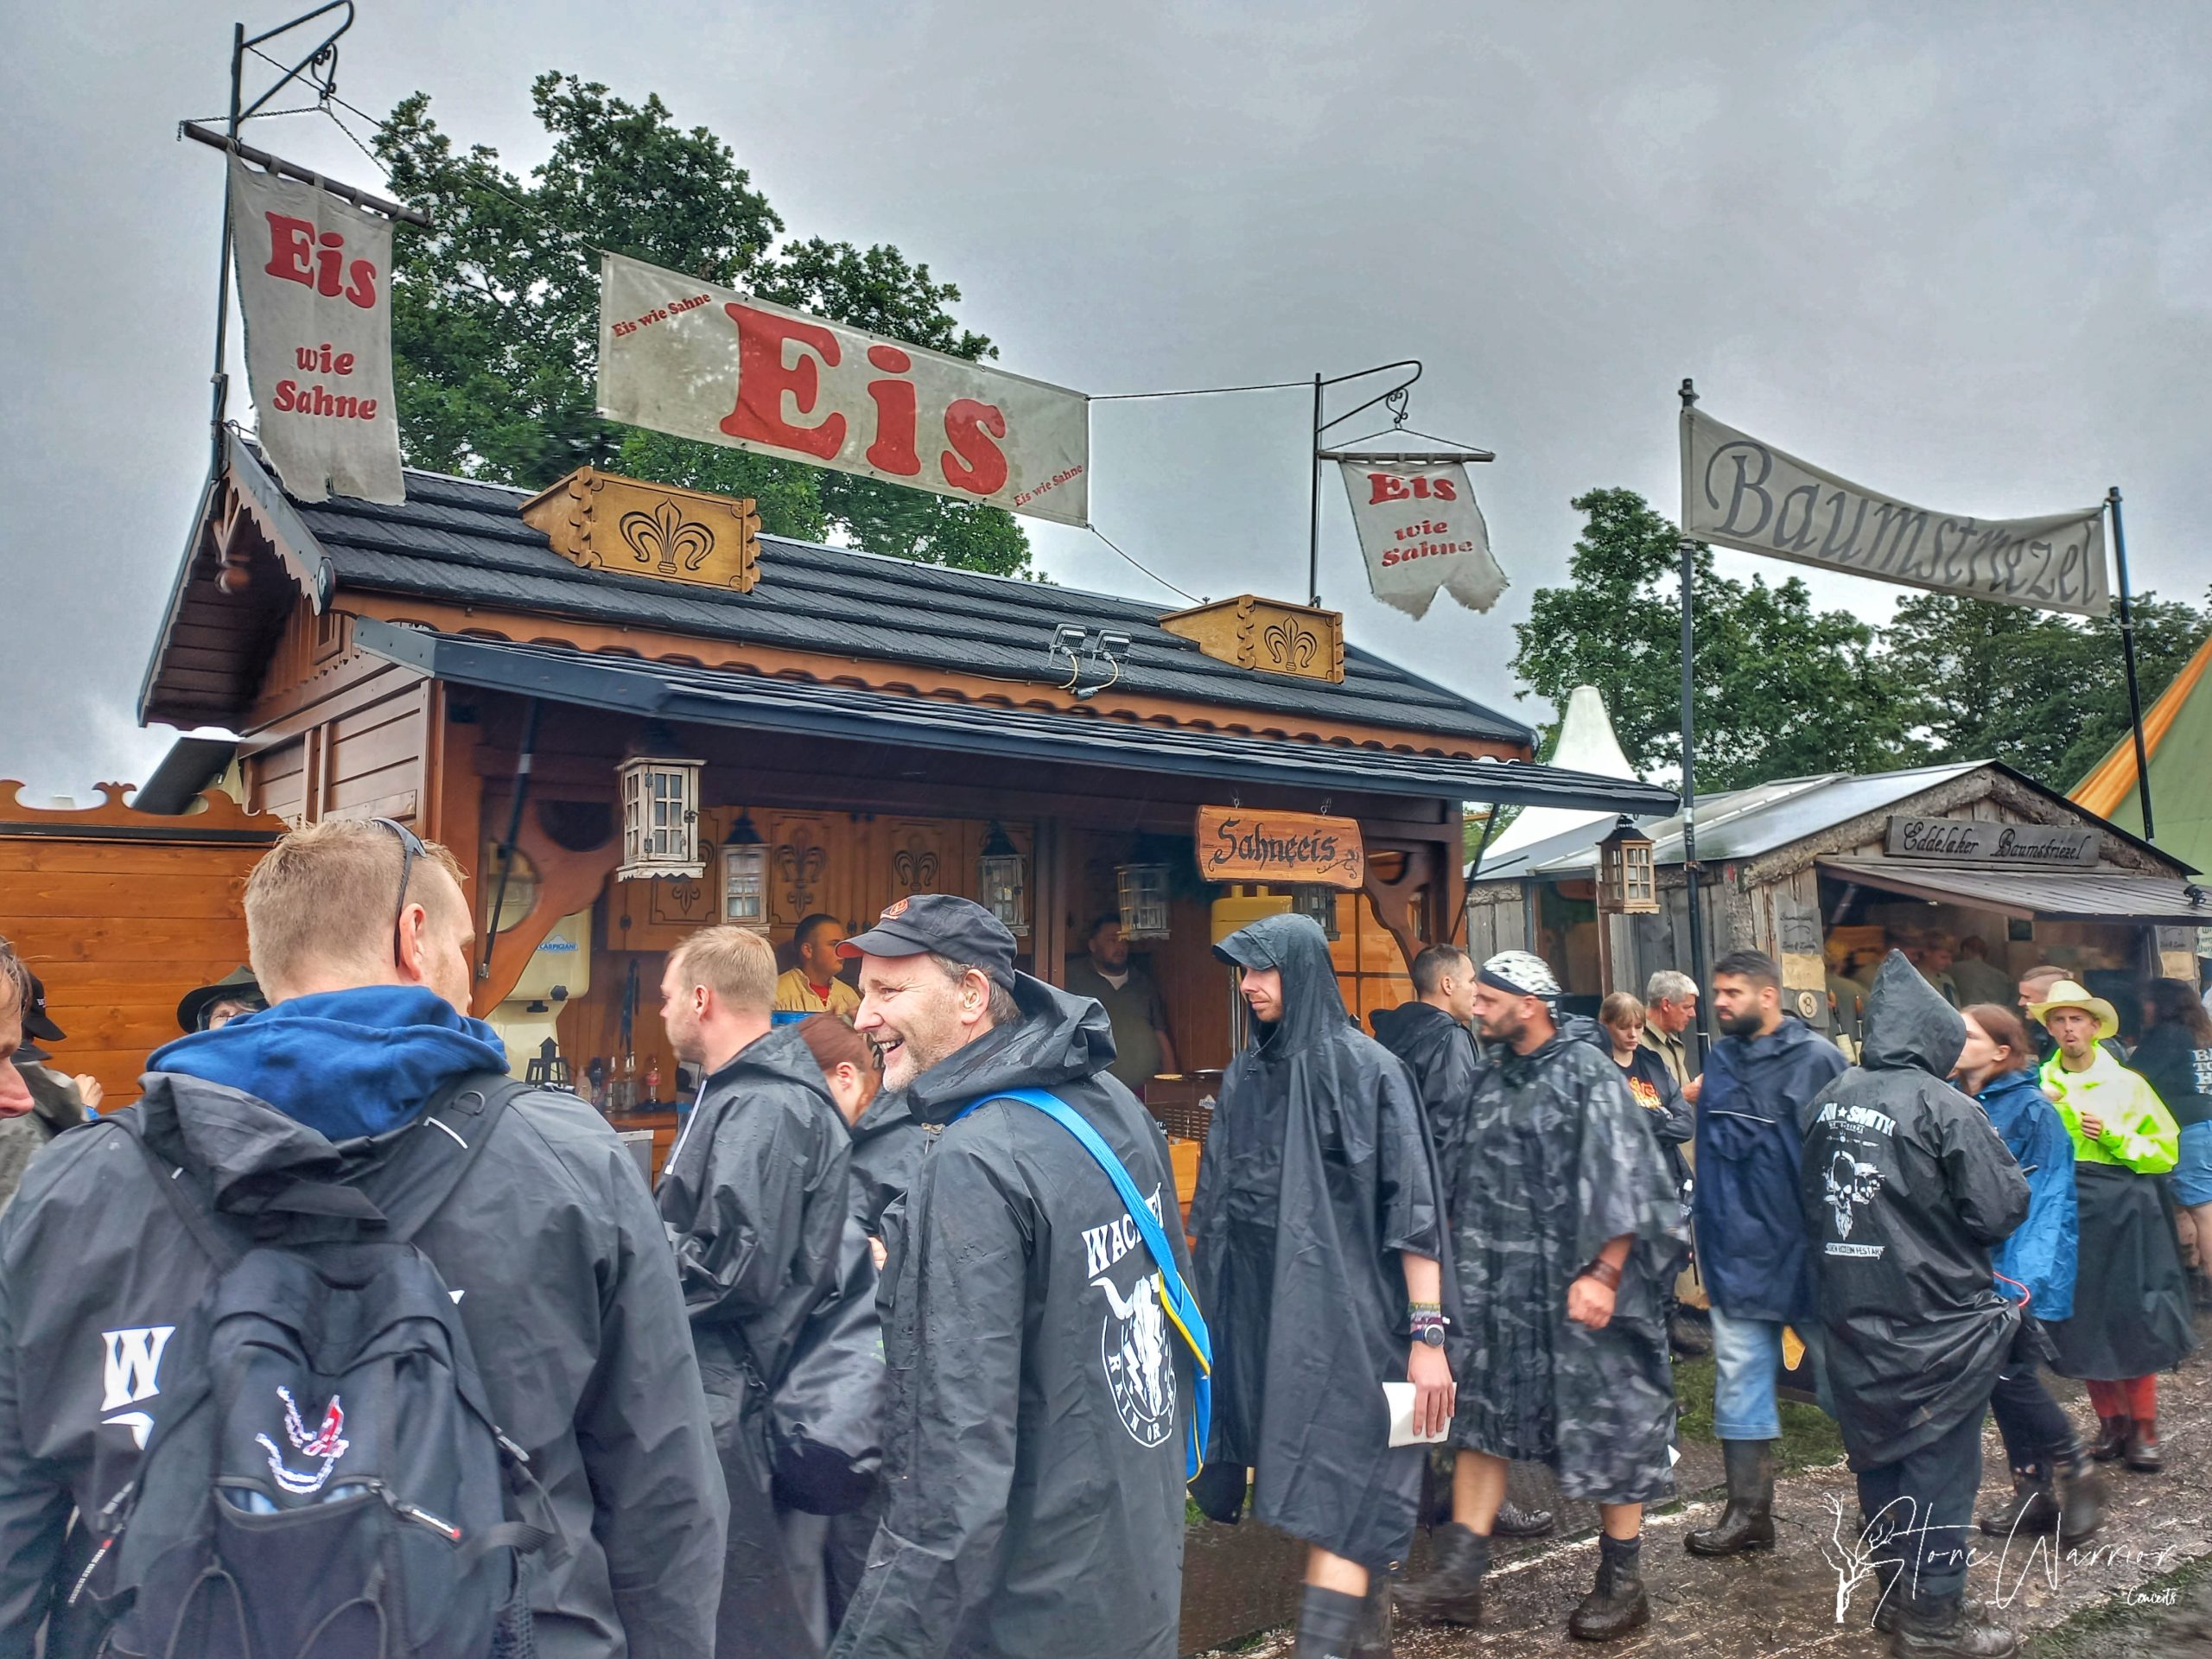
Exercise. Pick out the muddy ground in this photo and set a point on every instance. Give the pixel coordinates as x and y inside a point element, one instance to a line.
<point>2141,1590</point>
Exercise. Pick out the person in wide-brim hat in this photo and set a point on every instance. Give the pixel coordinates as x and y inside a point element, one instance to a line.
<point>2067,994</point>
<point>2130,1318</point>
<point>207,1007</point>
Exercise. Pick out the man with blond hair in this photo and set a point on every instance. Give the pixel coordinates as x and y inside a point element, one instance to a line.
<point>540,1232</point>
<point>755,1199</point>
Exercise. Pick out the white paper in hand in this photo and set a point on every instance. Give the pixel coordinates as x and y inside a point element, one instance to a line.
<point>1401,1398</point>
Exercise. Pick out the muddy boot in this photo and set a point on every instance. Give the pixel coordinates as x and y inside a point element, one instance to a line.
<point>1513,1521</point>
<point>2032,1512</point>
<point>2081,1496</point>
<point>2112,1438</point>
<point>1329,1623</point>
<point>1375,1619</point>
<point>2141,1450</point>
<point>1950,1628</point>
<point>1889,1596</point>
<point>1748,1522</point>
<point>1453,1592</point>
<point>1617,1605</point>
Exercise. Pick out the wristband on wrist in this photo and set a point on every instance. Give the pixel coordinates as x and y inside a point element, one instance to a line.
<point>1604,1273</point>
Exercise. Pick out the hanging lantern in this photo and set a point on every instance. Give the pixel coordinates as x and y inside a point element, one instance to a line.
<point>999,881</point>
<point>1628,885</point>
<point>745,876</point>
<point>1142,890</point>
<point>660,819</point>
<point>1312,899</point>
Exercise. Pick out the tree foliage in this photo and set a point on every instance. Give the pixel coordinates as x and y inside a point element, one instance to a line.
<point>495,314</point>
<point>1783,691</point>
<point>1780,688</point>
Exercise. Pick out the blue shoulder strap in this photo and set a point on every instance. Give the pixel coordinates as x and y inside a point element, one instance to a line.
<point>1182,1308</point>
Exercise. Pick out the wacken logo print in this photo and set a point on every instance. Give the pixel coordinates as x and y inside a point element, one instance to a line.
<point>1134,1349</point>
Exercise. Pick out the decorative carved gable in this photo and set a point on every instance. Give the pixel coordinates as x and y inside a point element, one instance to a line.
<point>601,521</point>
<point>1267,635</point>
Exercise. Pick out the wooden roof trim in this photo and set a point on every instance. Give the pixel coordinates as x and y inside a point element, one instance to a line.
<point>906,679</point>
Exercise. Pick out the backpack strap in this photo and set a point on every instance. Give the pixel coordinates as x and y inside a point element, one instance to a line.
<point>1180,1307</point>
<point>465,1110</point>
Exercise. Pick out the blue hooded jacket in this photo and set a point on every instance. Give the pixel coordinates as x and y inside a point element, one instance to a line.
<point>1751,1223</point>
<point>2041,1254</point>
<point>345,1064</point>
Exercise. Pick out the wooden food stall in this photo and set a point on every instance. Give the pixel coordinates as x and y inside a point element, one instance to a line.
<point>673,720</point>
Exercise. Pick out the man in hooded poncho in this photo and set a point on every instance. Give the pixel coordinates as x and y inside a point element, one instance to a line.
<point>1319,1233</point>
<point>1565,1230</point>
<point>1905,1188</point>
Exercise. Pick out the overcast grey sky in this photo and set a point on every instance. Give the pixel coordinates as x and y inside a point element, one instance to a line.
<point>1960,253</point>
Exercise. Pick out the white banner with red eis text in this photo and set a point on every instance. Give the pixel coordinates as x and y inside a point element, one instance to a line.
<point>686,358</point>
<point>1420,533</point>
<point>314,288</point>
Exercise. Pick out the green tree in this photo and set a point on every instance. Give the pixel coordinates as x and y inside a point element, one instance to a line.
<point>1782,689</point>
<point>495,314</point>
<point>2044,693</point>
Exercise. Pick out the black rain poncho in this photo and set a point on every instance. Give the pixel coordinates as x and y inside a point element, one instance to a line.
<point>1906,1188</point>
<point>1034,1450</point>
<point>755,1199</point>
<point>1557,1162</point>
<point>1440,1052</point>
<point>1317,1173</point>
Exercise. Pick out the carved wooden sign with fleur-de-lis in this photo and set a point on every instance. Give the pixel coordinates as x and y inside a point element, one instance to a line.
<point>1291,644</point>
<point>664,538</point>
<point>915,869</point>
<point>605,522</point>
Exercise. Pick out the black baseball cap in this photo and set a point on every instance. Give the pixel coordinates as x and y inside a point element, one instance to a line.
<point>941,925</point>
<point>37,1022</point>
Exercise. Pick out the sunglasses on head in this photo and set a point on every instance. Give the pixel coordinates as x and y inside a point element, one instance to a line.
<point>410,849</point>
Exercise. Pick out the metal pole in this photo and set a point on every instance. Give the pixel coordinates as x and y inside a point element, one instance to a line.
<point>1689,550</point>
<point>222,381</point>
<point>1314,520</point>
<point>2127,655</point>
<point>524,759</point>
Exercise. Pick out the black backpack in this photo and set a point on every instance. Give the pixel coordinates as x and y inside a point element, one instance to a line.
<point>324,1480</point>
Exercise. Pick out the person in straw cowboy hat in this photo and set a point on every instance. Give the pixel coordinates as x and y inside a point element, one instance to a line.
<point>2130,1305</point>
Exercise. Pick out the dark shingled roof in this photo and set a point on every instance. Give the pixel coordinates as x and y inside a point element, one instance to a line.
<point>463,543</point>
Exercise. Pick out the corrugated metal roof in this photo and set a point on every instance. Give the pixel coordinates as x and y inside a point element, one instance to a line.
<point>2039,895</point>
<point>463,543</point>
<point>1737,824</point>
<point>727,697</point>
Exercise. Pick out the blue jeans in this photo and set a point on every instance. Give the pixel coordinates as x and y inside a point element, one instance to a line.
<point>1747,1354</point>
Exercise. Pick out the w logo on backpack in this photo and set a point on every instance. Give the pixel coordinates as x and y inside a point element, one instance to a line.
<point>324,1480</point>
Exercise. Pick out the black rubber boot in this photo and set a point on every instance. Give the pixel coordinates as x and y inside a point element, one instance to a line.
<point>2081,1496</point>
<point>2141,1450</point>
<point>1375,1619</point>
<point>1513,1521</point>
<point>2111,1438</point>
<point>1329,1623</point>
<point>1951,1628</point>
<point>1748,1522</point>
<point>1453,1592</point>
<point>2033,1511</point>
<point>1616,1604</point>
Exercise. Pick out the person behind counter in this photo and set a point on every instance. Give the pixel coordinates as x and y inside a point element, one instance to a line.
<point>1142,1047</point>
<point>811,986</point>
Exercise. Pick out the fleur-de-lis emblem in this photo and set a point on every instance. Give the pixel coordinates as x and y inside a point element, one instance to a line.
<point>801,864</point>
<point>915,868</point>
<point>664,536</point>
<point>1290,644</point>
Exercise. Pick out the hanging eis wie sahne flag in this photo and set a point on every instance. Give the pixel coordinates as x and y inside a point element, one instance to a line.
<point>314,287</point>
<point>1420,531</point>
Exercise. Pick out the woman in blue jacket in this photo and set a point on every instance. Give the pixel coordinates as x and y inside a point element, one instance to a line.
<point>2050,1493</point>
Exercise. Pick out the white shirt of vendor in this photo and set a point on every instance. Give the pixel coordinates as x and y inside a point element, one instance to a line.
<point>795,995</point>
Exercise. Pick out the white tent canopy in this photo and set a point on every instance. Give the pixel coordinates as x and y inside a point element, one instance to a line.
<point>1586,744</point>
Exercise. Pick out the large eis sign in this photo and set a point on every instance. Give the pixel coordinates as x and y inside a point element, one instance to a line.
<point>686,358</point>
